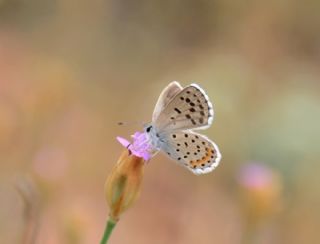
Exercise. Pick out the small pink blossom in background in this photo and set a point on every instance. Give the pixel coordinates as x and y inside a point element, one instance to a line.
<point>260,189</point>
<point>255,176</point>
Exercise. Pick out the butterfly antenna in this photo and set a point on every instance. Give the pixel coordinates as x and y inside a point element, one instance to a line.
<point>124,123</point>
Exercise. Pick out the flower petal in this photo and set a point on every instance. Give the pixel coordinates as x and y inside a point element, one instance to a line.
<point>124,142</point>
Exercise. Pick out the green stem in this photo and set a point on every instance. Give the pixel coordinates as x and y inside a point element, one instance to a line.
<point>108,230</point>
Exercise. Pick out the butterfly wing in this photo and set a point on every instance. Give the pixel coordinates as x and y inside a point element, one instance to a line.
<point>188,109</point>
<point>194,151</point>
<point>165,97</point>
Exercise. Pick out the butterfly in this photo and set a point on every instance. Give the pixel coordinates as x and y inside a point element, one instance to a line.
<point>178,113</point>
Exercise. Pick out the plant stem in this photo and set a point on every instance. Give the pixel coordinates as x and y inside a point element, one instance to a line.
<point>108,230</point>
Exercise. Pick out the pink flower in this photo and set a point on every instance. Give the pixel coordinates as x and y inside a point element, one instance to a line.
<point>260,189</point>
<point>141,145</point>
<point>256,176</point>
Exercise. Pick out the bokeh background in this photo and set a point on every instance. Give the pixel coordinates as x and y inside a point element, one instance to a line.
<point>71,70</point>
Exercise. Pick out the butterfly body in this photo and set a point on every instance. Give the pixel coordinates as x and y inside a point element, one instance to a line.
<point>153,137</point>
<point>178,112</point>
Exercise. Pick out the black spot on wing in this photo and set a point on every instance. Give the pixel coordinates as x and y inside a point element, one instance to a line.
<point>177,110</point>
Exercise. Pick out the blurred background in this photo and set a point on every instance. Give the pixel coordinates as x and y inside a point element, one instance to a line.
<point>71,70</point>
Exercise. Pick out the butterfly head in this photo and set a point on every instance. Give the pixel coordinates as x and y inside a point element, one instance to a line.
<point>153,136</point>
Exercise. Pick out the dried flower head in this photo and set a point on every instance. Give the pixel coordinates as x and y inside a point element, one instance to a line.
<point>123,184</point>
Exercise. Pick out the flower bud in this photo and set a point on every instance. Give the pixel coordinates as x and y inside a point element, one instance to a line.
<point>123,185</point>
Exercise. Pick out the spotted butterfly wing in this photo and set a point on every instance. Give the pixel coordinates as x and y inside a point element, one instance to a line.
<point>165,97</point>
<point>194,151</point>
<point>188,109</point>
<point>179,110</point>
